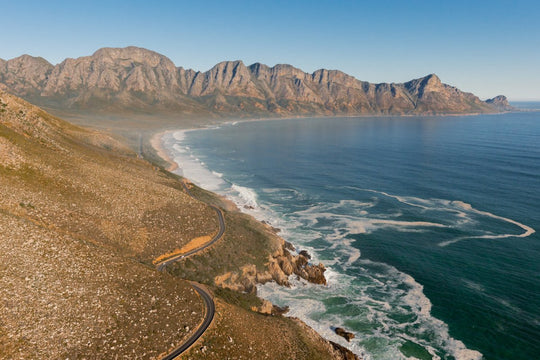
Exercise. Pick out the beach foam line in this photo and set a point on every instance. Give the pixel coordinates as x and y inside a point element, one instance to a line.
<point>193,166</point>
<point>190,165</point>
<point>407,223</point>
<point>468,207</point>
<point>465,207</point>
<point>353,253</point>
<point>361,224</point>
<point>401,199</point>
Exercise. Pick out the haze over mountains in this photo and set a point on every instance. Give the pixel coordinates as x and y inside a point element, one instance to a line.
<point>135,80</point>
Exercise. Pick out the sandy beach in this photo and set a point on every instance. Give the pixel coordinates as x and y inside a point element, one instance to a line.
<point>156,143</point>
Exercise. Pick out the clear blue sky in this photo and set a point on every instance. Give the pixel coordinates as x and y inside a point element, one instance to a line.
<point>485,47</point>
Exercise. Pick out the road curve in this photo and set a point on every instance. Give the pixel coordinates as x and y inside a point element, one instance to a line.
<point>207,298</point>
<point>162,265</point>
<point>209,316</point>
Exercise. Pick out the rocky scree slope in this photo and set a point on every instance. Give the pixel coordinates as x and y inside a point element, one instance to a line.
<point>138,80</point>
<point>67,288</point>
<point>81,219</point>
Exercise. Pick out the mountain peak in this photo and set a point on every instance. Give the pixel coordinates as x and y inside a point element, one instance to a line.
<point>29,59</point>
<point>432,76</point>
<point>128,50</point>
<point>258,67</point>
<point>428,81</point>
<point>498,98</point>
<point>501,103</point>
<point>229,64</point>
<point>25,75</point>
<point>424,84</point>
<point>132,53</point>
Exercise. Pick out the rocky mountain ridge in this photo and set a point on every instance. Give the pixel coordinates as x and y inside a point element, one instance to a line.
<point>133,79</point>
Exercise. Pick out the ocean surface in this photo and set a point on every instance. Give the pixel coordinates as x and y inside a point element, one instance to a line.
<point>426,224</point>
<point>526,105</point>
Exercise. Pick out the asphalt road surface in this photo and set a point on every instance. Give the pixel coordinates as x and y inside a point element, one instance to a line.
<point>161,266</point>
<point>209,316</point>
<point>208,301</point>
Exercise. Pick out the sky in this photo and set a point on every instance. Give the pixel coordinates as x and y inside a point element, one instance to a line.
<point>484,47</point>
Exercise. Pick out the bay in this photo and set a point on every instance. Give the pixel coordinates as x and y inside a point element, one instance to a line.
<point>426,224</point>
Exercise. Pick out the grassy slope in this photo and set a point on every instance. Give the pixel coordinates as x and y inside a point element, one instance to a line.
<point>81,219</point>
<point>69,284</point>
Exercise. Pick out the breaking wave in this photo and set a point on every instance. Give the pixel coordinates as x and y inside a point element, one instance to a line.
<point>194,168</point>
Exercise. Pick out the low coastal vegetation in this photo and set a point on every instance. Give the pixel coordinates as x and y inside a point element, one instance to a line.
<point>83,218</point>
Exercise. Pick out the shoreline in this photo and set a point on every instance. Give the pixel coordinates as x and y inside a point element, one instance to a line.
<point>157,137</point>
<point>348,116</point>
<point>324,333</point>
<point>157,144</point>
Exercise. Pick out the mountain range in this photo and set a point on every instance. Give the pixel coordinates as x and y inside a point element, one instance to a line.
<point>136,80</point>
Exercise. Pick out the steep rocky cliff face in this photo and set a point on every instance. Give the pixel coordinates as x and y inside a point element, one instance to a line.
<point>133,79</point>
<point>501,103</point>
<point>25,75</point>
<point>109,80</point>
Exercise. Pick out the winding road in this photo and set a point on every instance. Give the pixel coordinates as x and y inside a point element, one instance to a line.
<point>209,316</point>
<point>206,296</point>
<point>162,265</point>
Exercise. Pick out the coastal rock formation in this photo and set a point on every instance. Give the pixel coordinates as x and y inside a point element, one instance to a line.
<point>137,80</point>
<point>268,308</point>
<point>340,351</point>
<point>265,308</point>
<point>501,103</point>
<point>298,265</point>
<point>344,353</point>
<point>344,334</point>
<point>280,266</point>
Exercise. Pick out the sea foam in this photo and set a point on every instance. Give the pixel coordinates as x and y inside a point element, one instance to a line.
<point>247,196</point>
<point>468,207</point>
<point>460,209</point>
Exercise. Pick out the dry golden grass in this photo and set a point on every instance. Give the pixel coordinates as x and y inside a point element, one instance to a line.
<point>193,244</point>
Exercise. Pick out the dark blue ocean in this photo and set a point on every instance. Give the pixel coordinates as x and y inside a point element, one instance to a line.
<point>426,224</point>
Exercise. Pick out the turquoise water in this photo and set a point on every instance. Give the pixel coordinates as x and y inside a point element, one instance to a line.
<point>426,225</point>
